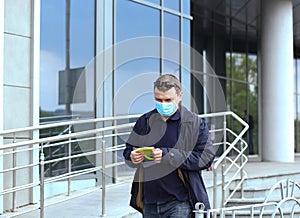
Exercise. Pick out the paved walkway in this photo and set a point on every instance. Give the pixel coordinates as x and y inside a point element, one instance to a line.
<point>89,206</point>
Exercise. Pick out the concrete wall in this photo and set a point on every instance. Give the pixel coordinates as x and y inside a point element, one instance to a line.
<point>19,86</point>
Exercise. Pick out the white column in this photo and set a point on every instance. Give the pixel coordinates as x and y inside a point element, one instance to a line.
<point>35,81</point>
<point>1,95</point>
<point>277,81</point>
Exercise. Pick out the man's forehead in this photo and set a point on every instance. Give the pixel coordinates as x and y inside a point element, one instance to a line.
<point>170,92</point>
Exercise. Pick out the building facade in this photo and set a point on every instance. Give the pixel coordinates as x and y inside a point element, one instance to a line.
<point>97,58</point>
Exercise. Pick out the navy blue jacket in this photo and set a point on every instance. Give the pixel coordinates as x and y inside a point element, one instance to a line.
<point>192,153</point>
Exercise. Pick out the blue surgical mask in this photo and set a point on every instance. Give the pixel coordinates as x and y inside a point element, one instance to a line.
<point>165,109</point>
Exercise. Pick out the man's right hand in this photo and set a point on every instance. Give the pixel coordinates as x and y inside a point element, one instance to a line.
<point>136,157</point>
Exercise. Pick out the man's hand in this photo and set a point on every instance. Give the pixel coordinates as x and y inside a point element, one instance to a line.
<point>157,155</point>
<point>136,157</point>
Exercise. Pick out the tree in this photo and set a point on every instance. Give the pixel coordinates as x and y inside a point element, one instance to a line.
<point>241,87</point>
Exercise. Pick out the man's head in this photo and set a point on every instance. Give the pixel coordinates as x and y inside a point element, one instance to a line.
<point>167,94</point>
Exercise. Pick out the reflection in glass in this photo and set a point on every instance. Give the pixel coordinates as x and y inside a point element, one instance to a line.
<point>133,80</point>
<point>171,48</point>
<point>53,45</point>
<point>297,124</point>
<point>186,6</point>
<point>297,104</point>
<point>186,81</point>
<point>172,4</point>
<point>171,68</point>
<point>298,75</point>
<point>154,1</point>
<point>135,20</point>
<point>171,26</point>
<point>186,31</point>
<point>238,64</point>
<point>133,83</point>
<point>143,103</point>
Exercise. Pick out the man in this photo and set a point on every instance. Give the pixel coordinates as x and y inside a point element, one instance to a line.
<point>170,184</point>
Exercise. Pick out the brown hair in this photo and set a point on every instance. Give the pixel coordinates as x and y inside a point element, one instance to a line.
<point>166,82</point>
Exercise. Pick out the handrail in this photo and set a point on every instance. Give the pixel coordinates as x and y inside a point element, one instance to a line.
<point>62,137</point>
<point>104,132</point>
<point>287,189</point>
<point>219,164</point>
<point>256,210</point>
<point>80,121</point>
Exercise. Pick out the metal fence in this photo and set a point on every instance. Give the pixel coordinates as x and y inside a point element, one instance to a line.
<point>286,204</point>
<point>29,156</point>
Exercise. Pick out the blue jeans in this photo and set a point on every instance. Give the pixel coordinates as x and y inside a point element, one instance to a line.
<point>174,209</point>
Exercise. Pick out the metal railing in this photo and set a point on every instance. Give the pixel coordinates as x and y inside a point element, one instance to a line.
<point>287,205</point>
<point>101,140</point>
<point>230,165</point>
<point>252,210</point>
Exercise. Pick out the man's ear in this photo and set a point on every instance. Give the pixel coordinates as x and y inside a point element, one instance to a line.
<point>180,96</point>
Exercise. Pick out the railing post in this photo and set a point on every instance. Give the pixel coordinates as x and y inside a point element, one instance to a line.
<point>69,161</point>
<point>223,182</point>
<point>14,175</point>
<point>242,173</point>
<point>252,212</point>
<point>224,133</point>
<point>200,210</point>
<point>215,188</point>
<point>103,178</point>
<point>42,180</point>
<point>114,155</point>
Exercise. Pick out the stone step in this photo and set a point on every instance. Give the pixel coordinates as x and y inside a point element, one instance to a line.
<point>269,181</point>
<point>259,187</point>
<point>244,201</point>
<point>245,208</point>
<point>251,192</point>
<point>265,214</point>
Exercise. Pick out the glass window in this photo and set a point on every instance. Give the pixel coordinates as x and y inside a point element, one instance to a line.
<point>186,81</point>
<point>239,100</point>
<point>154,1</point>
<point>171,26</point>
<point>186,31</point>
<point>172,4</point>
<point>238,66</point>
<point>186,6</point>
<point>298,76</point>
<point>135,20</point>
<point>133,78</point>
<point>134,86</point>
<point>186,62</point>
<point>171,48</point>
<point>297,123</point>
<point>53,48</point>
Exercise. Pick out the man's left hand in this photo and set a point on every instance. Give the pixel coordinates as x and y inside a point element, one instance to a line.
<point>157,155</point>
